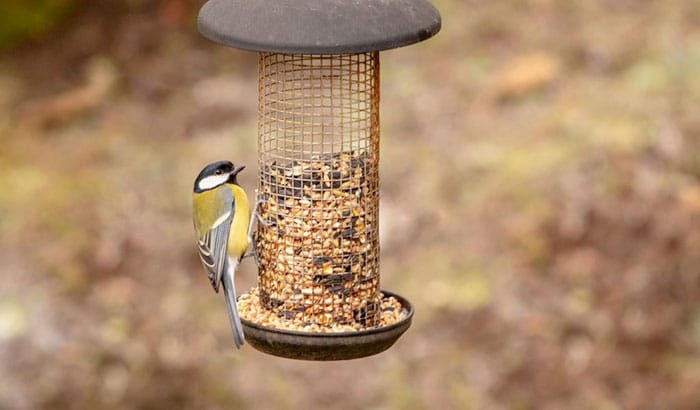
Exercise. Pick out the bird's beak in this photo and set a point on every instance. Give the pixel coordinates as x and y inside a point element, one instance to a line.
<point>237,170</point>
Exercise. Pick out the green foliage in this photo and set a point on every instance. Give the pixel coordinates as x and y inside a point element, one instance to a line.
<point>22,20</point>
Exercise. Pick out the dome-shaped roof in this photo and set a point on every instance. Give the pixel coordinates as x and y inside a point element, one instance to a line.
<point>318,26</point>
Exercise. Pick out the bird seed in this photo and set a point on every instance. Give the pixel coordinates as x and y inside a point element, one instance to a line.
<point>318,245</point>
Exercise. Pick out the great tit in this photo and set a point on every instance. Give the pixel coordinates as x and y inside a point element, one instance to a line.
<point>221,216</point>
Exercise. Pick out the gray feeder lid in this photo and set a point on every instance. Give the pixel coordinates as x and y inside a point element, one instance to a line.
<point>318,26</point>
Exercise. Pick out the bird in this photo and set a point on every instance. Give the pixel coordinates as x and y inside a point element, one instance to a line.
<point>221,214</point>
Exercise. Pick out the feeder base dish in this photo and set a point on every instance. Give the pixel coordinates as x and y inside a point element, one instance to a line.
<point>328,346</point>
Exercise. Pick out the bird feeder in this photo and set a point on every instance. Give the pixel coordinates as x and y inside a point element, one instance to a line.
<point>318,294</point>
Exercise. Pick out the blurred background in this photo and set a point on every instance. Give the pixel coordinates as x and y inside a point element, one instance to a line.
<point>540,183</point>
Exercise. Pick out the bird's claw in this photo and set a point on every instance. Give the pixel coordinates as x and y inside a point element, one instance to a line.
<point>253,240</point>
<point>254,251</point>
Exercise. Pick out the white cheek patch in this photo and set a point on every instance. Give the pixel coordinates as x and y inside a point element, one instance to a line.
<point>212,181</point>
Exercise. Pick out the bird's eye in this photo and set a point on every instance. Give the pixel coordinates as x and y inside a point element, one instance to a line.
<point>218,172</point>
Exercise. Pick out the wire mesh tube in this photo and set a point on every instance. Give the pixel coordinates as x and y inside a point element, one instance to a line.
<point>318,147</point>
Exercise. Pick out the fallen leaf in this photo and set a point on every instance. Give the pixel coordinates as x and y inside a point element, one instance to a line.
<point>524,74</point>
<point>690,197</point>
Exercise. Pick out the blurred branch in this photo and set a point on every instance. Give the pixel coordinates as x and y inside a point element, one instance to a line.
<point>101,76</point>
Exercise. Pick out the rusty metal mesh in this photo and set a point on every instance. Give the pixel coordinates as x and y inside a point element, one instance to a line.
<point>318,145</point>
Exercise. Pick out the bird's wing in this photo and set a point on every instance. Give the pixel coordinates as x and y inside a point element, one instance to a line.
<point>212,242</point>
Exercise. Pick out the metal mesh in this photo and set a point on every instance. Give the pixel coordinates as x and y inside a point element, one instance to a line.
<point>318,145</point>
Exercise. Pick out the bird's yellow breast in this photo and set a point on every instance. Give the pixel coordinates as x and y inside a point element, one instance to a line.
<point>238,236</point>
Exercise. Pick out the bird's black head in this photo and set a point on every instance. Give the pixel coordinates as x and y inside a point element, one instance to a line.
<point>216,174</point>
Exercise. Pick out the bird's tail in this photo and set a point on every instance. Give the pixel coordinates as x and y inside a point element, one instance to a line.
<point>231,307</point>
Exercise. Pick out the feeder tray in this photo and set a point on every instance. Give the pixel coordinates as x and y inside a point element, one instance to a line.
<point>328,346</point>
<point>317,239</point>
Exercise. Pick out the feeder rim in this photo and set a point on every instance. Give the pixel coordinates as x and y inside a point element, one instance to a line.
<point>318,26</point>
<point>405,304</point>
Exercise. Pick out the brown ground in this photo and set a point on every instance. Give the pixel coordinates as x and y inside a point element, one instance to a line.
<point>540,207</point>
